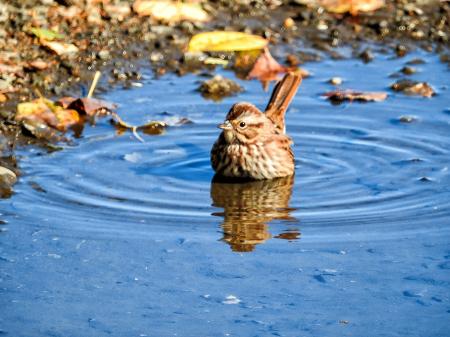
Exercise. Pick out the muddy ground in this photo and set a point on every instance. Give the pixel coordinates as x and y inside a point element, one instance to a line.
<point>112,38</point>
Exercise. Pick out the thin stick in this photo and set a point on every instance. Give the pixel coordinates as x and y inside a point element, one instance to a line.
<point>94,83</point>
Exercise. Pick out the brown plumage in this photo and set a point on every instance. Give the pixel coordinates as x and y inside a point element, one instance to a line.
<point>253,144</point>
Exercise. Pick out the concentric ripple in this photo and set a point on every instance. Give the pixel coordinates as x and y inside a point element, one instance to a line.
<point>356,168</point>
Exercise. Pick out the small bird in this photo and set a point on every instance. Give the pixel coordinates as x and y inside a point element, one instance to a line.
<point>253,144</point>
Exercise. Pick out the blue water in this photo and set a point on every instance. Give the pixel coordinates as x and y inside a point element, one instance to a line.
<point>123,238</point>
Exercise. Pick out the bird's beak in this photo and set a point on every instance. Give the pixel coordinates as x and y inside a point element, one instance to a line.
<point>225,126</point>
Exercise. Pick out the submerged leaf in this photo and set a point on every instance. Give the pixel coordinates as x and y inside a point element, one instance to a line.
<point>171,11</point>
<point>352,95</point>
<point>226,42</point>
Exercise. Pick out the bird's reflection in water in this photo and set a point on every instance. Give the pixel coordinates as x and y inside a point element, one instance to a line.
<point>249,207</point>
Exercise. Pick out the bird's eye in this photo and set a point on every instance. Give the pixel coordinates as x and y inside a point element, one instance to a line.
<point>242,124</point>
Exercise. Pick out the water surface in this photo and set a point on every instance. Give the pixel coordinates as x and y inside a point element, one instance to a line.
<point>116,237</point>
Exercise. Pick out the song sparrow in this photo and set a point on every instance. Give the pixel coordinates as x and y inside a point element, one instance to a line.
<point>253,144</point>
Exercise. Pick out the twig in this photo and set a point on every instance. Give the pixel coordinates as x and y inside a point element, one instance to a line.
<point>94,83</point>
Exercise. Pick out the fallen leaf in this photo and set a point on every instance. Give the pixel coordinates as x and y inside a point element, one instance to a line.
<point>3,98</point>
<point>352,95</point>
<point>171,11</point>
<point>266,69</point>
<point>413,88</point>
<point>46,34</point>
<point>89,106</point>
<point>226,42</point>
<point>47,112</point>
<point>351,6</point>
<point>60,48</point>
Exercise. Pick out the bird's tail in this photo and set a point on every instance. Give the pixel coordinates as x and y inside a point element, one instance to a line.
<point>282,95</point>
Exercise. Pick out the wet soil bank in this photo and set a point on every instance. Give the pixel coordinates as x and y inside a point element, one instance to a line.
<point>112,38</point>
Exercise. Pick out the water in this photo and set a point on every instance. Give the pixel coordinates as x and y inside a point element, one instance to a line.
<point>113,237</point>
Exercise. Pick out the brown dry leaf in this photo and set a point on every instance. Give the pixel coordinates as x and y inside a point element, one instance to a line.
<point>89,106</point>
<point>226,42</point>
<point>171,11</point>
<point>353,95</point>
<point>3,98</point>
<point>65,101</point>
<point>60,48</point>
<point>266,69</point>
<point>351,6</point>
<point>413,88</point>
<point>47,112</point>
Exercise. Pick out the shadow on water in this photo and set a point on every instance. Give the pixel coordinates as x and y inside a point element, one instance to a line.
<point>249,207</point>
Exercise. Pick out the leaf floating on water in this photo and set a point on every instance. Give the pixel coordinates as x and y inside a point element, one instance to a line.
<point>90,106</point>
<point>171,11</point>
<point>267,69</point>
<point>46,34</point>
<point>351,6</point>
<point>352,95</point>
<point>413,88</point>
<point>226,42</point>
<point>60,48</point>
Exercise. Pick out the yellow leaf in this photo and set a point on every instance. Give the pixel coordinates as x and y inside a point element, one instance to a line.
<point>226,41</point>
<point>170,11</point>
<point>45,111</point>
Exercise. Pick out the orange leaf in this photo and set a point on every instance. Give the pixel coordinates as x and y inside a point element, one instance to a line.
<point>266,69</point>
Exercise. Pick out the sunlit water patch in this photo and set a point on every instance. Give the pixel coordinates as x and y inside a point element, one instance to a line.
<point>369,205</point>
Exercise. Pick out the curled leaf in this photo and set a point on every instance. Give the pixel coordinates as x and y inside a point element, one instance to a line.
<point>267,69</point>
<point>226,42</point>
